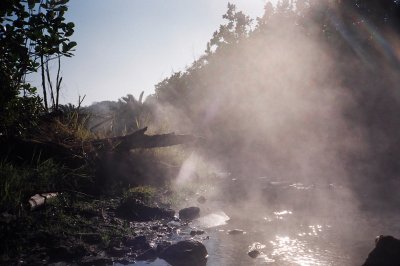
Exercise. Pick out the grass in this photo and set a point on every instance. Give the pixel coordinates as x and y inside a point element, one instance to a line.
<point>146,194</point>
<point>19,182</point>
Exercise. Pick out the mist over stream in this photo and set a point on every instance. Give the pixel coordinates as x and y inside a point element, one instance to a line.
<point>305,134</point>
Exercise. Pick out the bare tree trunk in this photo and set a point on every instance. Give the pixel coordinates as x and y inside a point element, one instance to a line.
<point>44,84</point>
<point>50,84</point>
<point>58,82</point>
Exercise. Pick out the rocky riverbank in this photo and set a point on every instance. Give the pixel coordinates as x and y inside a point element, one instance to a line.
<point>94,232</point>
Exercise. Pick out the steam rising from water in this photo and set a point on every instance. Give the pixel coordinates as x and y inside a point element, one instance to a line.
<point>278,106</point>
<point>275,107</point>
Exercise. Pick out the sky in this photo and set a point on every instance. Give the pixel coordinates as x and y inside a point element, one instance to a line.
<point>128,46</point>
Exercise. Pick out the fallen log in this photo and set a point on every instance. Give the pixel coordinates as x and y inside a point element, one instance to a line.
<point>24,150</point>
<point>138,140</point>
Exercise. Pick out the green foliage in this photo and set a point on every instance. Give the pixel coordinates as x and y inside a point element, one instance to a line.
<point>237,28</point>
<point>19,114</point>
<point>19,182</point>
<point>32,33</point>
<point>74,122</point>
<point>119,118</point>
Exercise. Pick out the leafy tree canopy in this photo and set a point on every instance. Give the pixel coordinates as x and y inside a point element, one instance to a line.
<point>32,33</point>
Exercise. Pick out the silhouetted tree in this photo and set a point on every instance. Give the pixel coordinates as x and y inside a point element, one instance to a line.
<point>32,33</point>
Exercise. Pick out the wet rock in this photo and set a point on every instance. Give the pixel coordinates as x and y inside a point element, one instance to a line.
<point>139,242</point>
<point>96,261</point>
<point>201,199</point>
<point>385,253</point>
<point>162,246</point>
<point>196,232</point>
<point>117,251</point>
<point>253,253</point>
<point>189,213</point>
<point>91,238</point>
<point>173,224</point>
<point>136,210</point>
<point>236,232</point>
<point>155,227</point>
<point>148,255</point>
<point>187,252</point>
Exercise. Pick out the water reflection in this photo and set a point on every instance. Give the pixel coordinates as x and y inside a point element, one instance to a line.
<point>295,229</point>
<point>314,230</point>
<point>294,251</point>
<point>212,220</point>
<point>280,215</point>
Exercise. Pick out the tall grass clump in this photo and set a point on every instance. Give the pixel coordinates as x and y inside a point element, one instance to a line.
<point>18,182</point>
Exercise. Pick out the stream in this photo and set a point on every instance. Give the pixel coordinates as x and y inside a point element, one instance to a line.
<point>288,223</point>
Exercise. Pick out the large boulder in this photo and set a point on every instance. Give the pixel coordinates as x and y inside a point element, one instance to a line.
<point>136,210</point>
<point>138,242</point>
<point>187,252</point>
<point>385,253</point>
<point>189,214</point>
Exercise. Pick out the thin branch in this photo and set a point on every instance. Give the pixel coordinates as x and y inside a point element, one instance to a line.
<point>44,84</point>
<point>80,102</point>
<point>58,82</point>
<point>50,84</point>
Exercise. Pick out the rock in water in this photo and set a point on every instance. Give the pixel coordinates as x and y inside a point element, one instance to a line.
<point>196,232</point>
<point>254,253</point>
<point>385,253</point>
<point>236,232</point>
<point>201,199</point>
<point>189,214</point>
<point>184,253</point>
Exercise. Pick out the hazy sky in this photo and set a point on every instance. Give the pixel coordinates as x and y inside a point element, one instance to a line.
<point>128,46</point>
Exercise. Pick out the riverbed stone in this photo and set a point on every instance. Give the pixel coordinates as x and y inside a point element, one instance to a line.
<point>196,232</point>
<point>187,252</point>
<point>201,199</point>
<point>236,232</point>
<point>162,246</point>
<point>117,251</point>
<point>385,253</point>
<point>189,213</point>
<point>253,253</point>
